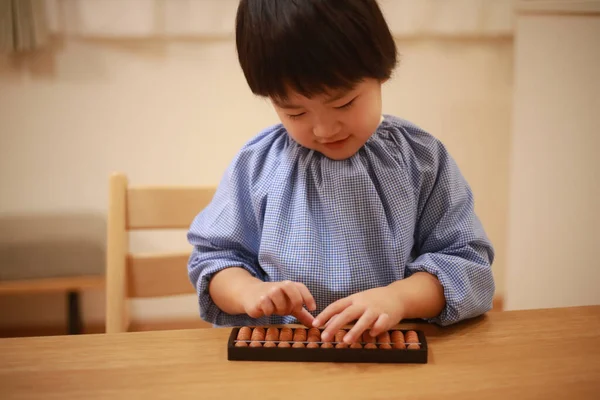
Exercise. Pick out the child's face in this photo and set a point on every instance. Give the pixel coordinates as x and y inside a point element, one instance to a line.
<point>336,124</point>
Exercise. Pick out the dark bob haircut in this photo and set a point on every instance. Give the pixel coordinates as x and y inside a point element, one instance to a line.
<point>312,46</point>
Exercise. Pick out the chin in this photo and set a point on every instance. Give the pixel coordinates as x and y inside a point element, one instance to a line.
<point>339,155</point>
<point>336,153</point>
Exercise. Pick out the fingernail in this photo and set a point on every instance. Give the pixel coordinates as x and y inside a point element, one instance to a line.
<point>316,323</point>
<point>348,339</point>
<point>325,337</point>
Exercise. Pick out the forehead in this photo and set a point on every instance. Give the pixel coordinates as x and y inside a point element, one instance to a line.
<point>294,99</point>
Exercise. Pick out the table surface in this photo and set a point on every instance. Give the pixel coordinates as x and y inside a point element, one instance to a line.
<point>541,354</point>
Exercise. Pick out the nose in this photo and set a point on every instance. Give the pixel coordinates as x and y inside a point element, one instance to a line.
<point>326,129</point>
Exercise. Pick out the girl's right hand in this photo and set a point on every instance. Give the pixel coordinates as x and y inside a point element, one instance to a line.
<point>279,298</point>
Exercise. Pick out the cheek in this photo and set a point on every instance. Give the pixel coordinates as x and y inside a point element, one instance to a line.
<point>371,116</point>
<point>364,121</point>
<point>299,131</point>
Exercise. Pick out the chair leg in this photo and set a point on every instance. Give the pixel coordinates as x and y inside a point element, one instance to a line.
<point>74,313</point>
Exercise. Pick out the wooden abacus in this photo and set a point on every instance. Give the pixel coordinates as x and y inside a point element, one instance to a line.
<point>301,344</point>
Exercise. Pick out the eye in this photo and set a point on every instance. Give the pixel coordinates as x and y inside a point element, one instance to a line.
<point>295,116</point>
<point>347,105</point>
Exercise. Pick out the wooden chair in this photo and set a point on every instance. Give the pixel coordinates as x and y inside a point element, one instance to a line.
<point>152,275</point>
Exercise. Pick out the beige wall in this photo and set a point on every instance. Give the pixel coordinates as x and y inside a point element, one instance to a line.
<point>70,117</point>
<point>555,186</point>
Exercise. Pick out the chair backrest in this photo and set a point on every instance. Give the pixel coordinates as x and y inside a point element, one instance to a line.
<point>145,275</point>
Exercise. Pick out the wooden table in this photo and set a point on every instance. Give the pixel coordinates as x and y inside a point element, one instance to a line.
<point>535,354</point>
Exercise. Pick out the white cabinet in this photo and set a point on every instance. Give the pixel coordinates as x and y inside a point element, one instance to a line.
<point>554,227</point>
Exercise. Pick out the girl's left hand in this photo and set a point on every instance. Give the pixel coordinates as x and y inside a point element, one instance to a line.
<point>376,309</point>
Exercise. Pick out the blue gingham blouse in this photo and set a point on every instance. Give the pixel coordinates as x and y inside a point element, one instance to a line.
<point>398,206</point>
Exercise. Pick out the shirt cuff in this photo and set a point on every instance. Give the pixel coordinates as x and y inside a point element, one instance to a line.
<point>209,311</point>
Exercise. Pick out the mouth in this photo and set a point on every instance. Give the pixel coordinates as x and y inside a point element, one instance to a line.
<point>335,143</point>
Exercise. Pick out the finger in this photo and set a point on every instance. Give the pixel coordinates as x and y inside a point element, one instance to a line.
<point>255,311</point>
<point>363,323</point>
<point>304,317</point>
<point>349,314</point>
<point>332,309</point>
<point>279,300</point>
<point>382,324</point>
<point>267,305</point>
<point>293,297</point>
<point>307,297</point>
<point>330,319</point>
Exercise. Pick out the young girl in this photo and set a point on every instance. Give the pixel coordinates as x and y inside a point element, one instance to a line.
<point>339,214</point>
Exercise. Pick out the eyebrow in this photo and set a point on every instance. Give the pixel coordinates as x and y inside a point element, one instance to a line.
<point>338,96</point>
<point>284,104</point>
<point>291,106</point>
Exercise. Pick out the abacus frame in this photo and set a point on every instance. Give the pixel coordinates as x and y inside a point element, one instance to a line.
<point>345,355</point>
